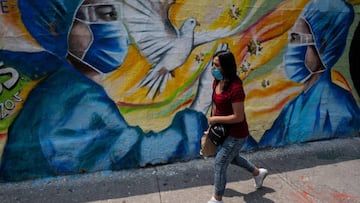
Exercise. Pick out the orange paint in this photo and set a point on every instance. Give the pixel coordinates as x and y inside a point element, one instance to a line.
<point>278,106</point>
<point>340,80</point>
<point>341,196</point>
<point>271,26</point>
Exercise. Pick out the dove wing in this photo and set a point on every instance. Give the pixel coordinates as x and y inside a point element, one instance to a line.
<point>209,36</point>
<point>149,26</point>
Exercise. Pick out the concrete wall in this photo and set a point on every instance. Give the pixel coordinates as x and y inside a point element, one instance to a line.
<point>109,87</point>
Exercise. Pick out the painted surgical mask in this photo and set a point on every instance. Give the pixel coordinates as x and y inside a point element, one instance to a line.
<point>294,58</point>
<point>110,42</point>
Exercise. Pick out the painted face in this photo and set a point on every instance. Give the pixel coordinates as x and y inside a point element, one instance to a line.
<point>109,43</point>
<point>300,56</point>
<point>295,66</point>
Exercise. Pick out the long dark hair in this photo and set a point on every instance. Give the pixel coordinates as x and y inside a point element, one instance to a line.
<point>228,66</point>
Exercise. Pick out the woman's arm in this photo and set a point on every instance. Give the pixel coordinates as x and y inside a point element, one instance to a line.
<point>237,117</point>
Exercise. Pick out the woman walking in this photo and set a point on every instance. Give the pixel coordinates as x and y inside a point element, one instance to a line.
<point>228,108</point>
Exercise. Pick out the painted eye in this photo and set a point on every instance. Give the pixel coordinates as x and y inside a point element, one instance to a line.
<point>294,38</point>
<point>99,12</point>
<point>107,13</point>
<point>300,38</point>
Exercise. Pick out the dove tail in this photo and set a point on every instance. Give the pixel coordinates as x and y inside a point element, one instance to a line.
<point>156,82</point>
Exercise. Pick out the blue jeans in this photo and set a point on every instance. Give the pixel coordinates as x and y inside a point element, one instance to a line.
<point>229,153</point>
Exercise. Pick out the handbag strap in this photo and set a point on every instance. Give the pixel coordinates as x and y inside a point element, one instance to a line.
<point>212,101</point>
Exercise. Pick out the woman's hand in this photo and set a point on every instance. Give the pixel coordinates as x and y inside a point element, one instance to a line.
<point>212,120</point>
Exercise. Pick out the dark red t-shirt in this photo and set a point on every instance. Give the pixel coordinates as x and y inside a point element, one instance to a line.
<point>223,103</point>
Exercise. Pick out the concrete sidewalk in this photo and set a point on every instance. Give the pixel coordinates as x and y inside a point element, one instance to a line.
<point>324,171</point>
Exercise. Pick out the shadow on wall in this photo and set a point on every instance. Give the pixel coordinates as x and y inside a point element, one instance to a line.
<point>354,59</point>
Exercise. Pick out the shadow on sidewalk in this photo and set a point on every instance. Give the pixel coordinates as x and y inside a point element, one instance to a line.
<point>113,185</point>
<point>255,196</point>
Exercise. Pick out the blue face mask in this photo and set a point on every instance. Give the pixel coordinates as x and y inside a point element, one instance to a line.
<point>295,66</point>
<point>217,74</point>
<point>109,46</point>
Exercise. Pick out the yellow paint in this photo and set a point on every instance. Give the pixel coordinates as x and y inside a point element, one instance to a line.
<point>354,2</point>
<point>340,80</point>
<point>16,36</point>
<point>263,104</point>
<point>271,30</point>
<point>3,125</point>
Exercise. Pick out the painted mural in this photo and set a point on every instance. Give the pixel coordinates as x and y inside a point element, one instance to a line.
<point>90,85</point>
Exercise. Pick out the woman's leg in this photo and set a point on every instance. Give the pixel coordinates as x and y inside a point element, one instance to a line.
<point>229,149</point>
<point>244,163</point>
<point>258,173</point>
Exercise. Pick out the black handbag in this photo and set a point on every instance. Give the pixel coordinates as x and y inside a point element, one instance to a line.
<point>218,133</point>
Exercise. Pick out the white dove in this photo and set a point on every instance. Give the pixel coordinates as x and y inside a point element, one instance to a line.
<point>165,46</point>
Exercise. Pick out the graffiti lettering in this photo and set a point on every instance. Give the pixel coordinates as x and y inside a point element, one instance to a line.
<point>7,106</point>
<point>4,6</point>
<point>14,78</point>
<point>17,98</point>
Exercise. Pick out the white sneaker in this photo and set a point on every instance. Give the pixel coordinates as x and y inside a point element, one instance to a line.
<point>259,179</point>
<point>213,200</point>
